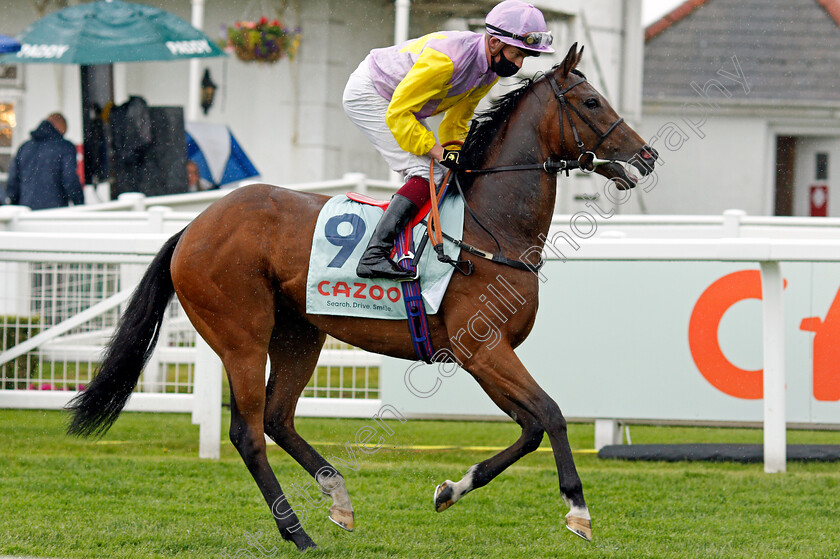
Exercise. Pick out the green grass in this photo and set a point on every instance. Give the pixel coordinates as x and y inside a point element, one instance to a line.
<point>142,492</point>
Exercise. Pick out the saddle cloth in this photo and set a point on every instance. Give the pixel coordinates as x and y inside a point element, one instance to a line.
<point>342,233</point>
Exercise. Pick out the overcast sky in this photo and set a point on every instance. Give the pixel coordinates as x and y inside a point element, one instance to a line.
<point>654,9</point>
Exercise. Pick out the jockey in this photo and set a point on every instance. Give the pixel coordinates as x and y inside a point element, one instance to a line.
<point>395,89</point>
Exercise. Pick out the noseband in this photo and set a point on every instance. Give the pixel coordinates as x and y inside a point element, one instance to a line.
<point>587,158</point>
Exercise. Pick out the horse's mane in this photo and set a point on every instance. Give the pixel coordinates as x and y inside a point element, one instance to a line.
<point>486,124</point>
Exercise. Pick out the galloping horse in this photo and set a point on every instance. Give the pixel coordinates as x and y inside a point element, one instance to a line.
<point>240,269</point>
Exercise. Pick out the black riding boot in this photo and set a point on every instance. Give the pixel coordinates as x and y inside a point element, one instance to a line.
<point>376,261</point>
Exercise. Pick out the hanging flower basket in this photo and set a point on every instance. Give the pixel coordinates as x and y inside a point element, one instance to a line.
<point>262,41</point>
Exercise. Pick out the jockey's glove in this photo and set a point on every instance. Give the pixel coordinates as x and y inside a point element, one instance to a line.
<point>451,159</point>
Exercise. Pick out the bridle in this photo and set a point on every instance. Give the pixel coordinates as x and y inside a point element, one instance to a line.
<point>587,160</point>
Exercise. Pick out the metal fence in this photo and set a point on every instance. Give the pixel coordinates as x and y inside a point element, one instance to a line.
<point>61,295</point>
<point>52,341</point>
<point>49,294</point>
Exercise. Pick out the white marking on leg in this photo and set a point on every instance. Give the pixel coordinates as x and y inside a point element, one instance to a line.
<point>333,485</point>
<point>462,487</point>
<point>580,512</point>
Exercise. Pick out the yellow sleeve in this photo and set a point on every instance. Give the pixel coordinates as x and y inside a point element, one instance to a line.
<point>456,121</point>
<point>427,79</point>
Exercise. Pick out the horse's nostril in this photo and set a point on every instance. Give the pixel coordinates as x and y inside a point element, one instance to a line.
<point>648,153</point>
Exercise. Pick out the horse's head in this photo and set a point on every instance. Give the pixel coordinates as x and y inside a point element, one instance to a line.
<point>585,127</point>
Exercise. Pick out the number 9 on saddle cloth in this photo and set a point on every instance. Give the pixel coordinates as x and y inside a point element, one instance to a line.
<point>341,234</point>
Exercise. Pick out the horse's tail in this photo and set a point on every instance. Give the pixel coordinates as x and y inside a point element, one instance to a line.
<point>96,408</point>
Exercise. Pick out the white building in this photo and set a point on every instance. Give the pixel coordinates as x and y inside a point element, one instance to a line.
<point>742,100</point>
<point>288,116</point>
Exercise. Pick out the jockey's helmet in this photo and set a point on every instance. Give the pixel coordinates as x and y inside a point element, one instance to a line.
<point>520,24</point>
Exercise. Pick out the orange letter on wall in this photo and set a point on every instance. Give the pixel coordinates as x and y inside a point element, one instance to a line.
<point>826,361</point>
<point>703,335</point>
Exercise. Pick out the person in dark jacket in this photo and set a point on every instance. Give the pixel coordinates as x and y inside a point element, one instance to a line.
<point>43,173</point>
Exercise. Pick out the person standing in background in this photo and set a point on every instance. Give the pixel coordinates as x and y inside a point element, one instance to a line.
<point>195,182</point>
<point>43,172</point>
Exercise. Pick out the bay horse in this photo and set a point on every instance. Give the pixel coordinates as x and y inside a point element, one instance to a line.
<point>240,269</point>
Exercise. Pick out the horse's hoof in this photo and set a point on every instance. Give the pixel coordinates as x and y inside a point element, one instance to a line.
<point>304,543</point>
<point>342,518</point>
<point>580,527</point>
<point>443,496</point>
<point>307,546</point>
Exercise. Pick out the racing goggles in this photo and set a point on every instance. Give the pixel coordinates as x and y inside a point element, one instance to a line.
<point>534,39</point>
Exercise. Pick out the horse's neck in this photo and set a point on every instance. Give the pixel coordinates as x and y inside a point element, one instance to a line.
<point>516,206</point>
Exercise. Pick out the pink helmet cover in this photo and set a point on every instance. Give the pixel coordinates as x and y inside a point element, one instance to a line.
<point>512,21</point>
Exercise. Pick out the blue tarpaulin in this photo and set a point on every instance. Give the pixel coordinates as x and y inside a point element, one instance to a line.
<point>220,158</point>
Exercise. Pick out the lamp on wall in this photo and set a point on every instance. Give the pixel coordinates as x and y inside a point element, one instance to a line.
<point>208,91</point>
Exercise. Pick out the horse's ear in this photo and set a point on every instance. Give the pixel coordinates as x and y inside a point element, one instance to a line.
<point>571,60</point>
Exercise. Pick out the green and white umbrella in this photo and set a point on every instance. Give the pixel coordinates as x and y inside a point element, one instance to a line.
<point>111,31</point>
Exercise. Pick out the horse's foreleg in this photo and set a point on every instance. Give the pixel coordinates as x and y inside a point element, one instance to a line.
<point>578,519</point>
<point>448,493</point>
<point>501,369</point>
<point>294,350</point>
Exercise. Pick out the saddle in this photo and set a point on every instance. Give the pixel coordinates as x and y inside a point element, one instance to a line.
<point>383,205</point>
<point>415,308</point>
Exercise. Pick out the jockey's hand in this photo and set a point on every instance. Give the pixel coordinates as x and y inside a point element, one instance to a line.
<point>451,160</point>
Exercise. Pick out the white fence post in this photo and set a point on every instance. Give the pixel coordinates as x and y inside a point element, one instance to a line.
<point>155,216</point>
<point>136,199</point>
<point>360,180</point>
<point>732,222</point>
<point>207,394</point>
<point>775,436</point>
<point>607,432</point>
<point>11,216</point>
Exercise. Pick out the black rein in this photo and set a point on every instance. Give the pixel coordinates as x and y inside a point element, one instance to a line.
<point>551,166</point>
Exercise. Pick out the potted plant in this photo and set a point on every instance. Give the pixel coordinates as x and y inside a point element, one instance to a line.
<point>262,41</point>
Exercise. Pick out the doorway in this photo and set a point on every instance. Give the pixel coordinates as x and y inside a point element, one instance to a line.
<point>807,178</point>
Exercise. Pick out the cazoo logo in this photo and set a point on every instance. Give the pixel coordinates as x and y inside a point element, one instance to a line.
<point>742,383</point>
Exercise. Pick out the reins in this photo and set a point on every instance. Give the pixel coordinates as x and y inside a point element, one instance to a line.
<point>436,234</point>
<point>586,161</point>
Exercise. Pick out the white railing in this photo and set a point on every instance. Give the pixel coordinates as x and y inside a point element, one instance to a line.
<point>767,241</point>
<point>768,253</point>
<point>65,273</point>
<point>600,380</point>
<point>128,239</point>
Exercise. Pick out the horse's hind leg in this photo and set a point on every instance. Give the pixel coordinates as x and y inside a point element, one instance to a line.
<point>448,493</point>
<point>239,333</point>
<point>247,375</point>
<point>293,351</point>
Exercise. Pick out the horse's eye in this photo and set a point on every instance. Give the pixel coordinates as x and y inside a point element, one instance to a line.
<point>592,103</point>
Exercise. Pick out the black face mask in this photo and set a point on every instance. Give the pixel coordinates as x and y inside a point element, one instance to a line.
<point>504,67</point>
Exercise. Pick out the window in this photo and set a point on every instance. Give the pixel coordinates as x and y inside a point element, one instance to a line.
<point>11,86</point>
<point>822,167</point>
<point>7,125</point>
<point>11,76</point>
